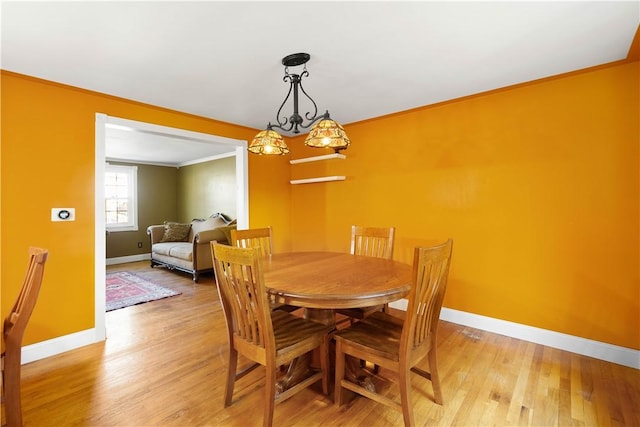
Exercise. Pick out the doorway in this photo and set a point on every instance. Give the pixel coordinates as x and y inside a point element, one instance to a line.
<point>103,121</point>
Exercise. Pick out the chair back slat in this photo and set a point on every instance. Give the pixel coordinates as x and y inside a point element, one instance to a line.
<point>430,270</point>
<point>243,295</point>
<point>15,323</point>
<point>260,238</point>
<point>372,241</point>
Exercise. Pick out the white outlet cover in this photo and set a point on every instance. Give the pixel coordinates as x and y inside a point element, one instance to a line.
<point>63,214</point>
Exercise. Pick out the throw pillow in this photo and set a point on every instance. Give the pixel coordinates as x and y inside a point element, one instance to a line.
<point>175,232</point>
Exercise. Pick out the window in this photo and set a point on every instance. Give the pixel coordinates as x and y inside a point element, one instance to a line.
<point>121,198</point>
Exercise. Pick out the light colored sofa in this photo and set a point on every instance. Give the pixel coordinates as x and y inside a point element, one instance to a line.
<point>190,252</point>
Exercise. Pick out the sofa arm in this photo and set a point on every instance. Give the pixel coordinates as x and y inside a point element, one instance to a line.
<point>155,233</point>
<point>206,236</point>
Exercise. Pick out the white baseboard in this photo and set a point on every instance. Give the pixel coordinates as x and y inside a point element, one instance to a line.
<point>130,258</point>
<point>52,347</point>
<point>586,347</point>
<point>599,350</point>
<point>43,349</point>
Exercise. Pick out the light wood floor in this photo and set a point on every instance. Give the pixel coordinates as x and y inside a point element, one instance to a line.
<point>163,363</point>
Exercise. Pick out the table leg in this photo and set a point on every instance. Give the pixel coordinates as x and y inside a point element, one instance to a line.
<point>326,317</point>
<point>356,374</point>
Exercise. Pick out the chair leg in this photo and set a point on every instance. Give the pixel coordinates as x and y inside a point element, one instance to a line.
<point>324,364</point>
<point>11,386</point>
<point>231,376</point>
<point>435,379</point>
<point>337,392</point>
<point>404,383</point>
<point>270,395</point>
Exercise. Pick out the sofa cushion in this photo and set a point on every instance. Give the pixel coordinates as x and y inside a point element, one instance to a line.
<point>181,250</point>
<point>184,251</point>
<point>175,232</point>
<point>207,224</point>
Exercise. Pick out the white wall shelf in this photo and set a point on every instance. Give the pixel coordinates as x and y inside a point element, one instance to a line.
<point>320,179</point>
<point>318,158</point>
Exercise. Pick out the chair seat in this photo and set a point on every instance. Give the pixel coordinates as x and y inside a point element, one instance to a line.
<point>290,330</point>
<point>378,333</point>
<point>384,320</point>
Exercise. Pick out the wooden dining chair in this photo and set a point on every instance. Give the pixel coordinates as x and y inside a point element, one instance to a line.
<point>13,330</point>
<point>400,345</point>
<point>375,242</point>
<point>267,337</point>
<point>262,239</point>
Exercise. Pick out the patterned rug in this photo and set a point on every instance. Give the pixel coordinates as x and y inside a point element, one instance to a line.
<point>125,289</point>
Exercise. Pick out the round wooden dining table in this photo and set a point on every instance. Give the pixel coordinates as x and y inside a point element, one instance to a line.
<point>324,281</point>
<point>331,280</point>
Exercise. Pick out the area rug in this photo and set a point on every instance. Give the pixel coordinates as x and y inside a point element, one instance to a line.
<point>125,289</point>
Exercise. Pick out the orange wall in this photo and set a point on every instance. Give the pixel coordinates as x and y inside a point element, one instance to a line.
<point>47,160</point>
<point>537,185</point>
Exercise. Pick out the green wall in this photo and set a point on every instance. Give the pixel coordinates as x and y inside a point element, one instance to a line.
<point>176,194</point>
<point>207,188</point>
<point>157,202</point>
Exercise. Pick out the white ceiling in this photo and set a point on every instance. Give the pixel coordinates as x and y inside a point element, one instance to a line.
<point>138,144</point>
<point>223,59</point>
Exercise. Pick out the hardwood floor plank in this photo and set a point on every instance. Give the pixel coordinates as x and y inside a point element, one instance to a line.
<point>528,404</point>
<point>564,396</point>
<point>626,381</point>
<point>587,392</point>
<point>524,353</point>
<point>506,380</point>
<point>164,364</point>
<point>545,407</point>
<point>577,400</point>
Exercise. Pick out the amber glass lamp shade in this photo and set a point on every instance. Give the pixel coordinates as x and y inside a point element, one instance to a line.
<point>327,134</point>
<point>268,141</point>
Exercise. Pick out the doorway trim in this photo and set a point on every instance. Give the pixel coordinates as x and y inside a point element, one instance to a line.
<point>41,350</point>
<point>102,121</point>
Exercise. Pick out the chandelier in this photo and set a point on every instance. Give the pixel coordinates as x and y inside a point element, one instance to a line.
<point>325,133</point>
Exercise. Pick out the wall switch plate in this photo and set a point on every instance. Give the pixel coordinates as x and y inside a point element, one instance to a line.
<point>63,214</point>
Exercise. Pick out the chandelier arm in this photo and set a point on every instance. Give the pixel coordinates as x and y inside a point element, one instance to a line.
<point>307,126</point>
<point>282,128</point>
<point>283,122</point>
<point>315,107</point>
<point>316,119</point>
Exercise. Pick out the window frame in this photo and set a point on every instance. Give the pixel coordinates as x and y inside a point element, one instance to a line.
<point>132,197</point>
